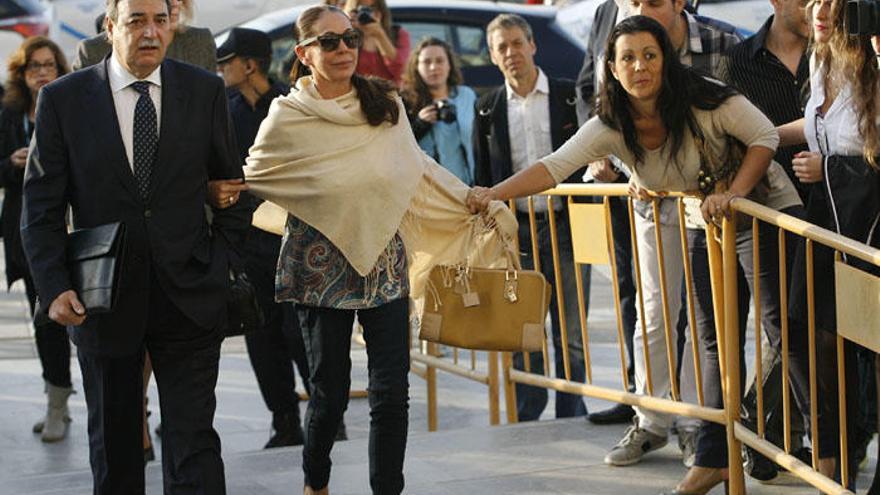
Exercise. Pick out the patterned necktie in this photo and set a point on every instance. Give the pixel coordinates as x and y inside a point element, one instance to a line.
<point>146,138</point>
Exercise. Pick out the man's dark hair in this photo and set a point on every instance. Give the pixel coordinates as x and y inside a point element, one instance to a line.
<point>112,10</point>
<point>682,89</point>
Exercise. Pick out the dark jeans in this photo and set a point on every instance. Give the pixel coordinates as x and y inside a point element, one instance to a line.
<point>272,347</point>
<point>185,361</point>
<point>53,344</point>
<point>711,448</point>
<point>531,401</point>
<point>327,336</point>
<point>620,229</point>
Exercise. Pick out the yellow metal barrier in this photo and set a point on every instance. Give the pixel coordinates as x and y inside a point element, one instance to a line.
<point>858,320</point>
<point>593,243</point>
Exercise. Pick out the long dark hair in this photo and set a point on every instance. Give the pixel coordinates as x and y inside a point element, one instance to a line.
<point>377,96</point>
<point>18,95</point>
<point>415,92</point>
<point>682,90</point>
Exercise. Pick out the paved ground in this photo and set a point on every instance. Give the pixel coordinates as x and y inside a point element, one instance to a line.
<point>465,456</point>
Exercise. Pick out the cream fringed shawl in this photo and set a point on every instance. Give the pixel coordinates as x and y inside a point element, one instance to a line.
<point>320,160</point>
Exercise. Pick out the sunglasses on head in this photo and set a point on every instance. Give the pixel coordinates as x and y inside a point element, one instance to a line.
<point>330,41</point>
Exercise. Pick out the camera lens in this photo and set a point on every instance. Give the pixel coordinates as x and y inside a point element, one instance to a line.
<point>365,15</point>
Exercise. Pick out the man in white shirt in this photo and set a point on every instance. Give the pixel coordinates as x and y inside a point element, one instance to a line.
<point>134,140</point>
<point>518,123</point>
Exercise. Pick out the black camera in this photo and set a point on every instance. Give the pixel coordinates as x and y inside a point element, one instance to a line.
<point>445,111</point>
<point>365,15</point>
<point>863,17</point>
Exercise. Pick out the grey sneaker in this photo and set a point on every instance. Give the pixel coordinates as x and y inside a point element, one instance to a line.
<point>687,439</point>
<point>636,442</point>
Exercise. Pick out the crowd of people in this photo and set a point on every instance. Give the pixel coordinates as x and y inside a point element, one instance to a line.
<point>143,133</point>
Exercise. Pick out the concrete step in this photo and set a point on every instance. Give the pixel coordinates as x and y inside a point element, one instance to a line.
<point>563,456</point>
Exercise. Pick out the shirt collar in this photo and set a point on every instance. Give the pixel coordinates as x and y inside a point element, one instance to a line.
<point>120,78</point>
<point>694,43</point>
<point>759,40</point>
<point>542,85</point>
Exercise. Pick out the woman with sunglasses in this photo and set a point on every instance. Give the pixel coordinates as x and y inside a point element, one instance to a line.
<point>675,129</point>
<point>841,126</point>
<point>386,45</point>
<point>366,216</point>
<point>37,62</point>
<point>440,107</point>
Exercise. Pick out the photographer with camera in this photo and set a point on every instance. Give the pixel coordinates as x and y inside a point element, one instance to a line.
<point>440,108</point>
<point>386,46</point>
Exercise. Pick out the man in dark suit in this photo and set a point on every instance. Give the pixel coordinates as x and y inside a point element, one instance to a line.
<point>519,123</point>
<point>135,140</point>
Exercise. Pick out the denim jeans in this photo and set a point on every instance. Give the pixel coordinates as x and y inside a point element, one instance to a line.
<point>531,401</point>
<point>711,449</point>
<point>327,337</point>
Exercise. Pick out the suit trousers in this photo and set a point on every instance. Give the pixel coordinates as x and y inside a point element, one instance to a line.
<point>185,361</point>
<point>531,401</point>
<point>327,337</point>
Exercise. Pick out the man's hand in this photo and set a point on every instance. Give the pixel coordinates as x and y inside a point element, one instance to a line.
<point>224,193</point>
<point>19,157</point>
<point>67,310</point>
<point>807,166</point>
<point>603,171</point>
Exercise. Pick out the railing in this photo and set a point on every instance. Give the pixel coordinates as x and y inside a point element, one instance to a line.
<point>858,320</point>
<point>594,244</point>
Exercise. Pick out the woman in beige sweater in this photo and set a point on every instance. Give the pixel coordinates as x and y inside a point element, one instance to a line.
<point>664,121</point>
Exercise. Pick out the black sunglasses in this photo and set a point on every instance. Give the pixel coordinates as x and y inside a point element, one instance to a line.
<point>330,41</point>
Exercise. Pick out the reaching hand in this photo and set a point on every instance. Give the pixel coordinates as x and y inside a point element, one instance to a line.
<point>478,199</point>
<point>716,206</point>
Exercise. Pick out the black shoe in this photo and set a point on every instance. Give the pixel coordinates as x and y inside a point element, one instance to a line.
<point>341,434</point>
<point>149,455</point>
<point>286,431</point>
<point>621,413</point>
<point>757,466</point>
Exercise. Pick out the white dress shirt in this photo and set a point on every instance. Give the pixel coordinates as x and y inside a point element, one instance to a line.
<point>528,126</point>
<point>125,99</point>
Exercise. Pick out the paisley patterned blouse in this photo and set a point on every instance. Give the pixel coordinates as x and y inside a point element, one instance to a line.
<point>313,272</point>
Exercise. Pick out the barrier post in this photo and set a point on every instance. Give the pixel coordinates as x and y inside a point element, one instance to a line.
<point>732,349</point>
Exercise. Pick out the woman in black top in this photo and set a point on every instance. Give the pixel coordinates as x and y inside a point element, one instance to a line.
<point>37,62</point>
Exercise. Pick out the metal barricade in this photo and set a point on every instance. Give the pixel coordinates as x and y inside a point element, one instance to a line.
<point>593,243</point>
<point>858,320</point>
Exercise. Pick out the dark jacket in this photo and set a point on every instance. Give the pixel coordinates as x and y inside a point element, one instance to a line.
<point>12,137</point>
<point>492,139</point>
<point>587,81</point>
<point>79,161</point>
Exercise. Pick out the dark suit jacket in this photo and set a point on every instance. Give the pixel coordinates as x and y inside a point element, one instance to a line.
<point>492,139</point>
<point>78,159</point>
<point>12,137</point>
<point>587,82</point>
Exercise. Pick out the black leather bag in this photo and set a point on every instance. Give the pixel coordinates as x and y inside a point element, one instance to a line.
<point>244,311</point>
<point>94,260</point>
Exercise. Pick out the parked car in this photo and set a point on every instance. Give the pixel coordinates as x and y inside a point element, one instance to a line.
<point>20,19</point>
<point>462,24</point>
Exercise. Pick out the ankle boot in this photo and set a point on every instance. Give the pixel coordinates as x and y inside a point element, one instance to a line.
<point>287,430</point>
<point>57,415</point>
<point>39,425</point>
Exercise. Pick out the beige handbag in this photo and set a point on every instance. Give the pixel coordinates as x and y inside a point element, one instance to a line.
<point>485,309</point>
